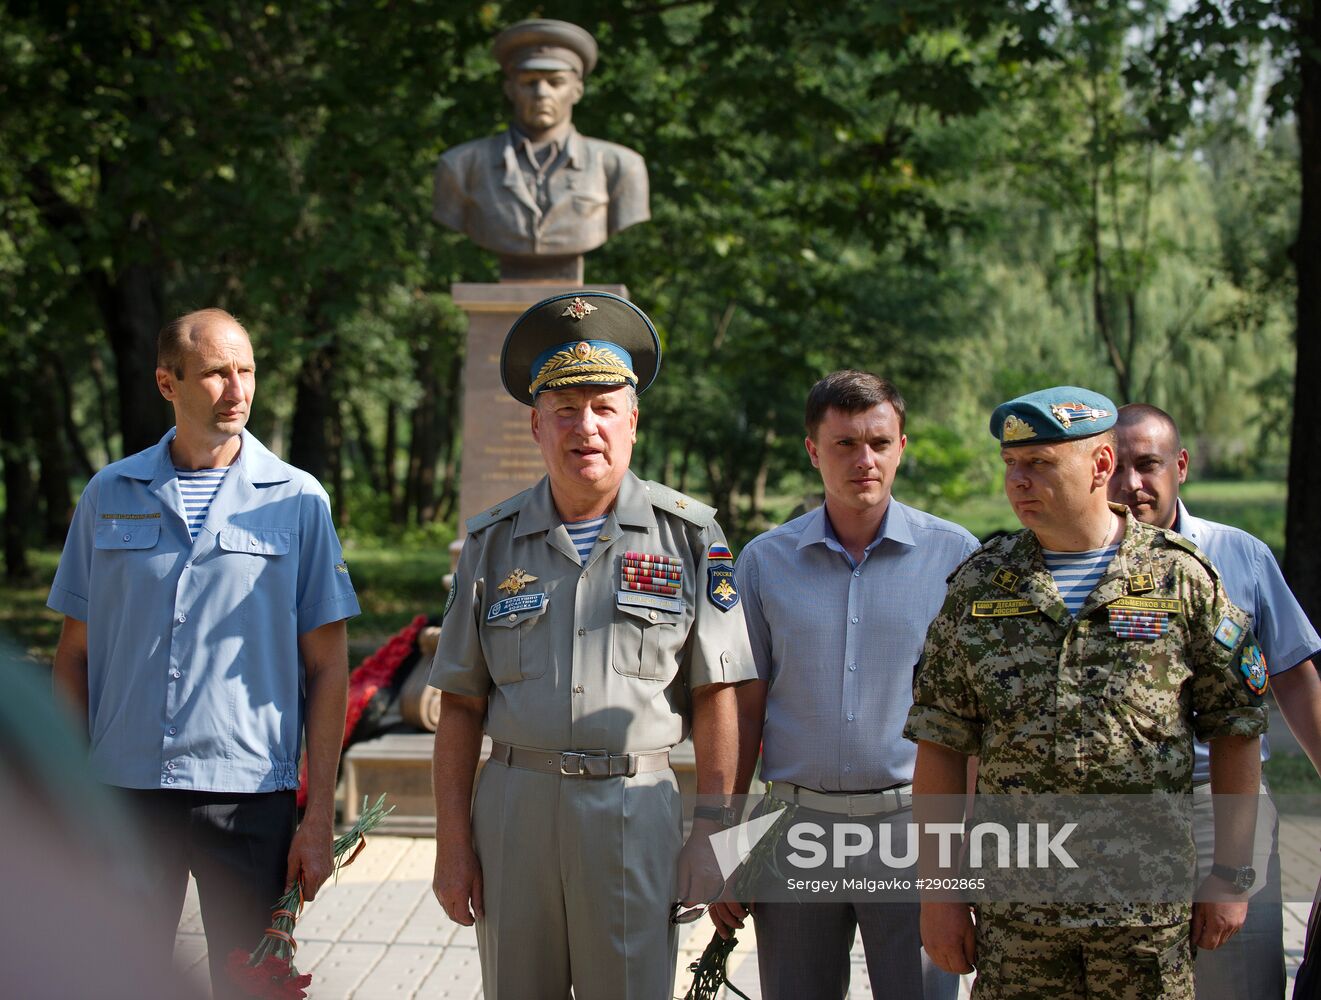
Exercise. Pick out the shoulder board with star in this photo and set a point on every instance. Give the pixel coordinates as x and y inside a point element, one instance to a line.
<point>502,510</point>
<point>674,502</point>
<point>1175,540</point>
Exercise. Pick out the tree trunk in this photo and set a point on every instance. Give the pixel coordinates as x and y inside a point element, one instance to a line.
<point>130,307</point>
<point>1302,534</point>
<point>78,452</point>
<point>14,452</point>
<point>389,481</point>
<point>314,405</point>
<point>52,456</point>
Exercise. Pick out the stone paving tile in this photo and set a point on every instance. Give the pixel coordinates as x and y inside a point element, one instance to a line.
<point>378,932</point>
<point>457,975</point>
<point>400,973</point>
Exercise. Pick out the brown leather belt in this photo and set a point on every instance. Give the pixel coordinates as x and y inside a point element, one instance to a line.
<point>580,763</point>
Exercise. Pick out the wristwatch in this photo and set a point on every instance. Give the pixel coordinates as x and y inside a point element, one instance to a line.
<point>726,816</point>
<point>1240,878</point>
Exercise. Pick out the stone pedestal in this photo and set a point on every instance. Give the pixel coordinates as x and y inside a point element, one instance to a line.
<point>499,456</point>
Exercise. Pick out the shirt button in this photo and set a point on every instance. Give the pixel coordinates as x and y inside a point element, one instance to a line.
<point>857,572</point>
<point>653,616</point>
<point>184,618</point>
<point>850,716</point>
<point>854,619</point>
<point>170,780</point>
<point>582,631</point>
<point>853,666</point>
<point>848,767</point>
<point>188,565</point>
<point>577,689</point>
<point>252,542</point>
<point>175,674</point>
<point>174,730</point>
<point>128,538</point>
<point>513,617</point>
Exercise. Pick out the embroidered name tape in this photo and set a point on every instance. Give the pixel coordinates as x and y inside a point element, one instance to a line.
<point>130,517</point>
<point>516,605</point>
<point>1171,604</point>
<point>1002,609</point>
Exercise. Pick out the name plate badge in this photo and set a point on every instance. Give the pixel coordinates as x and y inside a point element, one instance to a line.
<point>516,605</point>
<point>635,600</point>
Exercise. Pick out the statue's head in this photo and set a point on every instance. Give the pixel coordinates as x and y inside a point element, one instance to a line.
<point>545,63</point>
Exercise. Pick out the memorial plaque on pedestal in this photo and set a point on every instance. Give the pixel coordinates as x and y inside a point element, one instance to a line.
<point>499,456</point>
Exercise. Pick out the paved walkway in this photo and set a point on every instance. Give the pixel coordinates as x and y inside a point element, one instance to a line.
<point>379,933</point>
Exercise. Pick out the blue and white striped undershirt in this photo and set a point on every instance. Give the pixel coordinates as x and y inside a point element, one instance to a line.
<point>198,488</point>
<point>583,535</point>
<point>1077,573</point>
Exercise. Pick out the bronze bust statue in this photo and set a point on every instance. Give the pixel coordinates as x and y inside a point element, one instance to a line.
<point>540,195</point>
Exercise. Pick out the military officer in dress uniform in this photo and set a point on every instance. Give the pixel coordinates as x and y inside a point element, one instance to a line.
<point>594,622</point>
<point>1080,656</point>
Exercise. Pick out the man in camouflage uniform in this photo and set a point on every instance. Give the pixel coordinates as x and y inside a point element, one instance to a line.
<point>1079,656</point>
<point>594,617</point>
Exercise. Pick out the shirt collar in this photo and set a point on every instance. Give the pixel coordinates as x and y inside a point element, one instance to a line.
<point>894,526</point>
<point>257,463</point>
<point>1187,525</point>
<point>632,507</point>
<point>575,153</point>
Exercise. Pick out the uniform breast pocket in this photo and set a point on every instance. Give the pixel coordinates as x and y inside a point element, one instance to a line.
<point>510,642</point>
<point>254,541</point>
<point>1144,685</point>
<point>112,535</point>
<point>646,642</point>
<point>588,205</point>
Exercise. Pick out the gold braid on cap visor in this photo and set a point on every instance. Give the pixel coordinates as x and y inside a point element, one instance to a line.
<point>568,368</point>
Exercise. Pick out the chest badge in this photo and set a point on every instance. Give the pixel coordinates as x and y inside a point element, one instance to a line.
<point>1141,583</point>
<point>516,581</point>
<point>1006,580</point>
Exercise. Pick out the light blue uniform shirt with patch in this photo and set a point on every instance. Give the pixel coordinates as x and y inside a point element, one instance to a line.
<point>838,643</point>
<point>194,675</point>
<point>1253,581</point>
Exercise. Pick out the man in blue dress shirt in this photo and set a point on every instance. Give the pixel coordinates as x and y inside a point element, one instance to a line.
<point>1151,464</point>
<point>205,597</point>
<point>837,604</point>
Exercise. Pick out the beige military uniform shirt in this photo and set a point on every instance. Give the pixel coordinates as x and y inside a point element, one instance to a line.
<point>593,191</point>
<point>568,659</point>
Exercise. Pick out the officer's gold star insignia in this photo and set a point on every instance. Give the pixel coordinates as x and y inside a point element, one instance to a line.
<point>1140,583</point>
<point>577,309</point>
<point>516,581</point>
<point>494,511</point>
<point>681,503</point>
<point>1006,580</point>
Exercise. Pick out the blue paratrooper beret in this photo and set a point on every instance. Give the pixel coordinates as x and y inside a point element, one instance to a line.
<point>1064,413</point>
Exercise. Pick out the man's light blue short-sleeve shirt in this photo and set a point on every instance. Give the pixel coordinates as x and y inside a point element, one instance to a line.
<point>1254,582</point>
<point>838,643</point>
<point>194,675</point>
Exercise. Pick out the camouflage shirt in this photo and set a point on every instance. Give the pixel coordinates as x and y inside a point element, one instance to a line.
<point>1104,702</point>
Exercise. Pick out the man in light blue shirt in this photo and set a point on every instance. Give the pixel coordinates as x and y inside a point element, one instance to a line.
<point>1151,464</point>
<point>199,655</point>
<point>837,604</point>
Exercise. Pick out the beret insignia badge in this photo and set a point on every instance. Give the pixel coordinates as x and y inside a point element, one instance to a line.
<point>1016,429</point>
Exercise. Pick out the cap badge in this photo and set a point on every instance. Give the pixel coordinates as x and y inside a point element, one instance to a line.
<point>578,309</point>
<point>1066,413</point>
<point>516,581</point>
<point>1016,429</point>
<point>583,350</point>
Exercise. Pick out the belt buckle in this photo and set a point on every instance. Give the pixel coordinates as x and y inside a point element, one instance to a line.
<point>564,763</point>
